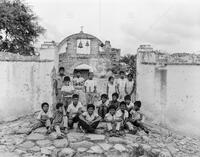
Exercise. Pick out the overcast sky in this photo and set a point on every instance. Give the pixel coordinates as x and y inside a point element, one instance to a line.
<point>171,25</point>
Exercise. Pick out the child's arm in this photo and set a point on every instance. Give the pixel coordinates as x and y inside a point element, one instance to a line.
<point>82,118</point>
<point>39,116</point>
<point>126,89</point>
<point>107,89</point>
<point>97,119</point>
<point>133,88</point>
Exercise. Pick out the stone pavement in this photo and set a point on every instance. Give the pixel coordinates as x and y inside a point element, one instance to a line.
<point>159,143</point>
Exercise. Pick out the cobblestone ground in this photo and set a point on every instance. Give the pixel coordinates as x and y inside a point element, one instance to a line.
<point>159,143</point>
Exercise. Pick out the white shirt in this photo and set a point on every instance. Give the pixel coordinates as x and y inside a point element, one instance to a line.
<point>129,86</point>
<point>68,89</point>
<point>130,105</point>
<point>90,84</point>
<point>110,117</point>
<point>90,117</point>
<point>136,115</point>
<point>42,115</point>
<point>119,114</point>
<point>121,85</point>
<point>74,109</point>
<point>99,103</point>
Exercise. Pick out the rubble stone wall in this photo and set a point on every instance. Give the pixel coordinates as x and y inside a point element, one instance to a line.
<point>168,86</point>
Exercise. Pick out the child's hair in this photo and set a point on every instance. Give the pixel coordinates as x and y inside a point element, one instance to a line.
<point>138,103</point>
<point>58,105</point>
<point>122,103</point>
<point>90,105</point>
<point>44,103</point>
<point>66,78</point>
<point>75,96</point>
<point>127,97</point>
<point>61,68</point>
<point>121,72</point>
<point>111,107</point>
<point>104,96</point>
<point>111,77</point>
<point>130,75</point>
<point>115,94</point>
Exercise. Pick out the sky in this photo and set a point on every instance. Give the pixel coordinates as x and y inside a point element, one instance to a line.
<point>169,25</point>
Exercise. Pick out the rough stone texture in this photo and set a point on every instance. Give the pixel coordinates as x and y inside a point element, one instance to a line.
<point>35,136</point>
<point>43,143</point>
<point>61,143</point>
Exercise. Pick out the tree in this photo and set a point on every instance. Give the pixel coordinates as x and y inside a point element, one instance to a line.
<point>130,60</point>
<point>19,28</point>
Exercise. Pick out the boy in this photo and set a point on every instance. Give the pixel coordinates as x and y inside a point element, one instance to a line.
<point>128,102</point>
<point>114,100</point>
<point>130,87</point>
<point>58,83</point>
<point>74,110</point>
<point>90,89</point>
<point>89,120</point>
<point>136,117</point>
<point>44,118</point>
<point>121,85</point>
<point>67,91</point>
<point>60,120</point>
<point>102,106</point>
<point>113,122</point>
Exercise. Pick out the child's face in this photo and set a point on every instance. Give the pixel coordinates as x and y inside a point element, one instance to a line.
<point>122,75</point>
<point>123,107</point>
<point>75,101</point>
<point>60,109</point>
<point>127,101</point>
<point>130,78</point>
<point>112,111</point>
<point>90,110</point>
<point>104,99</point>
<point>114,98</point>
<point>137,108</point>
<point>66,83</point>
<point>61,71</point>
<point>112,80</point>
<point>45,108</point>
<point>78,74</point>
<point>91,76</point>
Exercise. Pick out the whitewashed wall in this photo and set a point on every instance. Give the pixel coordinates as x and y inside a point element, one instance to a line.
<point>170,95</point>
<point>24,85</point>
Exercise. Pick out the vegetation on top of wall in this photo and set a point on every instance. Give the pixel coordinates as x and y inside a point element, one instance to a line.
<point>19,28</point>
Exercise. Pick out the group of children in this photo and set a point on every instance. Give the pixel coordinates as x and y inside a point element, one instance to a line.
<point>115,108</point>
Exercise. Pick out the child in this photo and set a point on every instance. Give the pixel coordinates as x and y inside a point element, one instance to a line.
<point>58,83</point>
<point>136,117</point>
<point>60,120</point>
<point>102,106</point>
<point>89,120</point>
<point>114,100</point>
<point>111,87</point>
<point>67,91</point>
<point>121,85</point>
<point>113,122</point>
<point>128,102</point>
<point>130,87</point>
<point>44,118</point>
<point>90,89</point>
<point>123,114</point>
<point>74,110</point>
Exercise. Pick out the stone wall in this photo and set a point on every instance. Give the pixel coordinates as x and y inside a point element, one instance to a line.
<point>168,86</point>
<point>25,84</point>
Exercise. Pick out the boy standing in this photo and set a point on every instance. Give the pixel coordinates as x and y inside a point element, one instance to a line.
<point>113,122</point>
<point>102,106</point>
<point>44,118</point>
<point>89,120</point>
<point>60,120</point>
<point>130,87</point>
<point>121,85</point>
<point>90,89</point>
<point>74,110</point>
<point>114,100</point>
<point>136,117</point>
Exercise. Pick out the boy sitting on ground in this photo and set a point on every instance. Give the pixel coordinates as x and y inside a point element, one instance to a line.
<point>113,122</point>
<point>114,100</point>
<point>136,117</point>
<point>60,120</point>
<point>44,119</point>
<point>74,110</point>
<point>89,120</point>
<point>102,106</point>
<point>129,103</point>
<point>122,114</point>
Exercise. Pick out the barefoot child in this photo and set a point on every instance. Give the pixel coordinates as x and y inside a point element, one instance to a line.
<point>44,118</point>
<point>60,120</point>
<point>89,120</point>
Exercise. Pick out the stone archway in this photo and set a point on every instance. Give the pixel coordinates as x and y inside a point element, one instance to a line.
<point>84,69</point>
